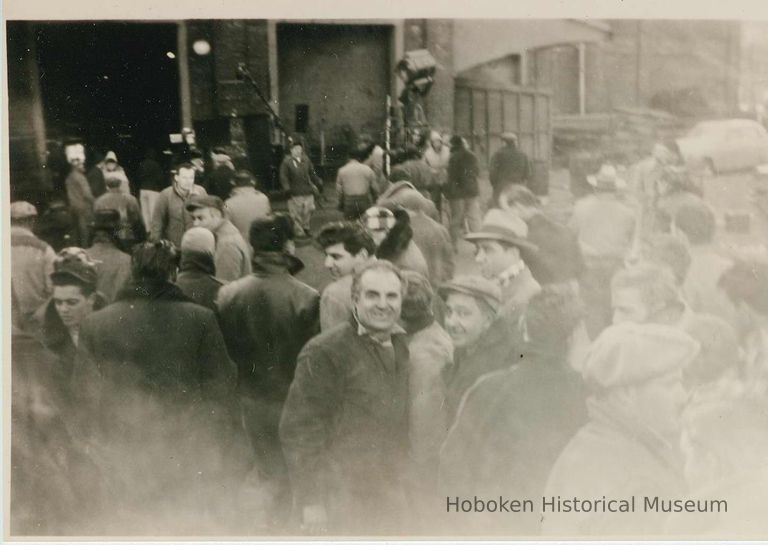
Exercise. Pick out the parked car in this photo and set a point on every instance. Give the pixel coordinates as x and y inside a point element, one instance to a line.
<point>725,144</point>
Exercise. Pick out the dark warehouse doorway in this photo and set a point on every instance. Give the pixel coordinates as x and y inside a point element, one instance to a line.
<point>114,85</point>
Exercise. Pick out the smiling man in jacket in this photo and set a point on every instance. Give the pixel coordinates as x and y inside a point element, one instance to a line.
<point>344,428</point>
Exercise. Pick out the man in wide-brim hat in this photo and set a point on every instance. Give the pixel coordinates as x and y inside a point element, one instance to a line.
<point>502,248</point>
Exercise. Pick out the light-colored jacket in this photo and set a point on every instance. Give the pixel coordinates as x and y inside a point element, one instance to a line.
<point>336,303</point>
<point>246,205</point>
<point>31,267</point>
<point>233,254</point>
<point>355,179</point>
<point>170,219</point>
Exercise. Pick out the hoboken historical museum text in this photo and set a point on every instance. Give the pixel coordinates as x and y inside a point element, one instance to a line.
<point>558,504</point>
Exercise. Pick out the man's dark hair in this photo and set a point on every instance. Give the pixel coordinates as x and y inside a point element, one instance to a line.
<point>352,235</point>
<point>154,261</point>
<point>745,282</point>
<point>183,164</point>
<point>412,153</point>
<point>697,222</point>
<point>361,151</point>
<point>69,280</point>
<point>244,178</point>
<point>551,316</point>
<point>418,298</point>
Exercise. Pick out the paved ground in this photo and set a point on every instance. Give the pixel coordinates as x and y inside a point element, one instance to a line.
<point>726,193</point>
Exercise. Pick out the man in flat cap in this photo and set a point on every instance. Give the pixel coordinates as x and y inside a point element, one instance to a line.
<point>31,262</point>
<point>509,165</point>
<point>233,255</point>
<point>481,342</point>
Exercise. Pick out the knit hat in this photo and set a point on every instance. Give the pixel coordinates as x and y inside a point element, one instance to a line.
<point>271,233</point>
<point>629,354</point>
<point>74,263</point>
<point>22,209</point>
<point>377,217</point>
<point>198,239</point>
<point>110,156</point>
<point>475,286</point>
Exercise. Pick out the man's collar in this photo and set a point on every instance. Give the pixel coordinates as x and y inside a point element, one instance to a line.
<point>244,189</point>
<point>363,331</point>
<point>511,273</point>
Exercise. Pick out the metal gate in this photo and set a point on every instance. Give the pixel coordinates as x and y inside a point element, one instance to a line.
<point>483,111</point>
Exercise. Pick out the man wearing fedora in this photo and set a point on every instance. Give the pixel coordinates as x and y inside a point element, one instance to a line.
<point>509,165</point>
<point>233,255</point>
<point>605,228</point>
<point>114,265</point>
<point>502,248</point>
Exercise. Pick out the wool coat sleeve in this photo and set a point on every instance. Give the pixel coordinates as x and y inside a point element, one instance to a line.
<point>137,224</point>
<point>159,218</point>
<point>333,311</point>
<point>285,175</point>
<point>493,169</point>
<point>230,261</point>
<point>218,374</point>
<point>79,192</point>
<point>308,418</point>
<point>428,417</point>
<point>314,178</point>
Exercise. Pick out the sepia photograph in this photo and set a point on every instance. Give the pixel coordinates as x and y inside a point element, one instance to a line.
<point>300,277</point>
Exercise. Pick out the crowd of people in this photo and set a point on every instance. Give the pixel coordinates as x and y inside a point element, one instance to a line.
<point>172,375</point>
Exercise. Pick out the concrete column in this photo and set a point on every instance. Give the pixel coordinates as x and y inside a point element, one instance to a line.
<point>182,49</point>
<point>274,81</point>
<point>524,67</point>
<point>582,79</point>
<point>439,102</point>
